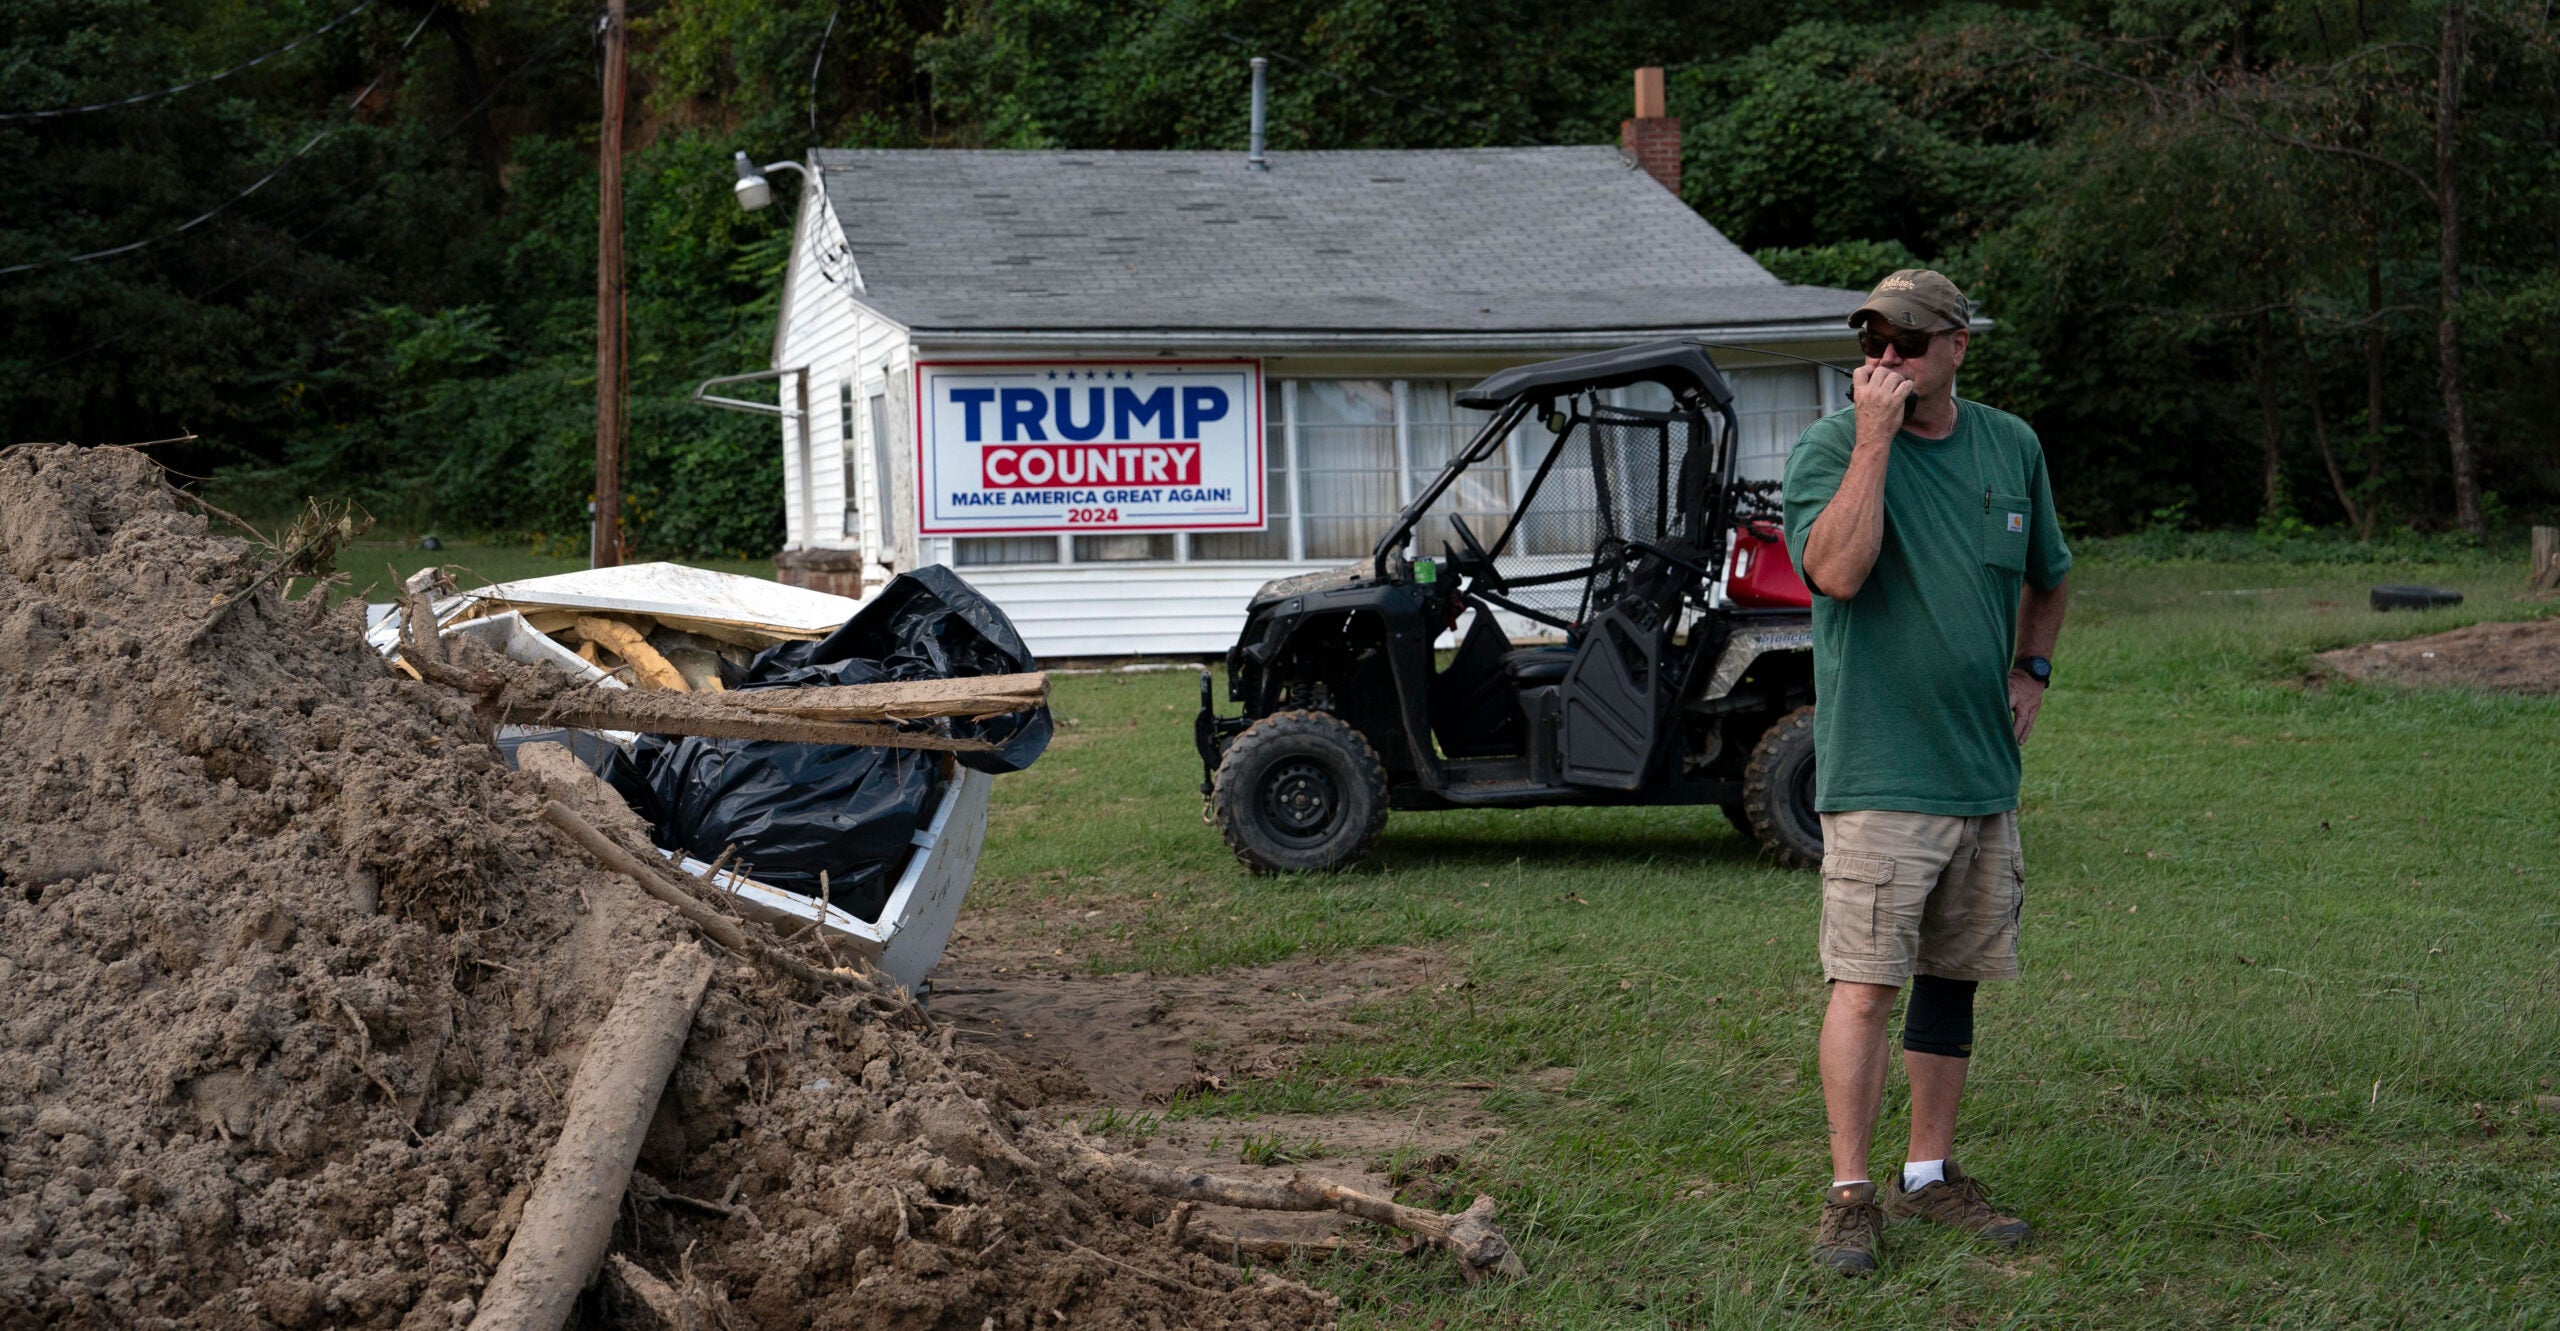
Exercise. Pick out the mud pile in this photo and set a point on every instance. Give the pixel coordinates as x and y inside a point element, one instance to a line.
<point>294,977</point>
<point>2521,657</point>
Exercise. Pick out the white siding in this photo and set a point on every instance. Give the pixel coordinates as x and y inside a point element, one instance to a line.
<point>821,329</point>
<point>1127,609</point>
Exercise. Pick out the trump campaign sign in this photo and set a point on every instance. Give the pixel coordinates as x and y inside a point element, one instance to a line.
<point>1008,447</point>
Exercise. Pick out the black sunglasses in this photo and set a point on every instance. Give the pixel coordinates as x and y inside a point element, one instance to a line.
<point>1913,346</point>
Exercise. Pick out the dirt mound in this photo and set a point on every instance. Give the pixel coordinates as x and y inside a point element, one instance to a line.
<point>294,977</point>
<point>2510,658</point>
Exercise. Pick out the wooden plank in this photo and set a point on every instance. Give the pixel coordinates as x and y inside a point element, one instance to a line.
<point>717,716</point>
<point>910,700</point>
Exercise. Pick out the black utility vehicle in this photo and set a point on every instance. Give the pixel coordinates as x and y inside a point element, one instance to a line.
<point>1599,521</point>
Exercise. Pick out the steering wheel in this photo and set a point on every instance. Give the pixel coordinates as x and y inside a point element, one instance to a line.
<point>1475,552</point>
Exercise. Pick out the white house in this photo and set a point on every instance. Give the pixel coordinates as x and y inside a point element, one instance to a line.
<point>1360,290</point>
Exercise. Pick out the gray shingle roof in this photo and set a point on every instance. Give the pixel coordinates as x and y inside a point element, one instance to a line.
<point>1481,241</point>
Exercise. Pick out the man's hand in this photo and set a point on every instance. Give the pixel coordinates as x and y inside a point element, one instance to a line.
<point>2025,697</point>
<point>1879,394</point>
<point>1840,548</point>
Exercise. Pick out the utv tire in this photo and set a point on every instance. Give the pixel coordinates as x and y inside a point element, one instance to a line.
<point>1777,792</point>
<point>1740,816</point>
<point>1300,792</point>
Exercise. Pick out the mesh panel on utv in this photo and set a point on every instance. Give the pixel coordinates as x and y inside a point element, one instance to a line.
<point>1614,473</point>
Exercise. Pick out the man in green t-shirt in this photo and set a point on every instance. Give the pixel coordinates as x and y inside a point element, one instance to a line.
<point>1924,525</point>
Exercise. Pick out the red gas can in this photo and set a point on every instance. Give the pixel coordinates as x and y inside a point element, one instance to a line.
<point>1760,576</point>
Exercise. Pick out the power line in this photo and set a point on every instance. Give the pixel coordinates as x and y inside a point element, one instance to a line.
<point>190,224</point>
<point>141,97</point>
<point>819,63</point>
<point>260,183</point>
<point>353,200</point>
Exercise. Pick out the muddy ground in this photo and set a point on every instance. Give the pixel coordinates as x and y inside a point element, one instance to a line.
<point>1126,1050</point>
<point>2509,658</point>
<point>294,977</point>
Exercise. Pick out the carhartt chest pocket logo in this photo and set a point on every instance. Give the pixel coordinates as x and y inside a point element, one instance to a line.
<point>2003,533</point>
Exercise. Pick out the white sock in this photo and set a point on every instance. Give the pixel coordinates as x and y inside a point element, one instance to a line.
<point>1919,1174</point>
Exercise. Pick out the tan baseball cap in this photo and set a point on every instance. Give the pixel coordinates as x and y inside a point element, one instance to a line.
<point>1916,298</point>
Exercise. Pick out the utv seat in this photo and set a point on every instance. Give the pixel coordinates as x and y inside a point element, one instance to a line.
<point>1531,666</point>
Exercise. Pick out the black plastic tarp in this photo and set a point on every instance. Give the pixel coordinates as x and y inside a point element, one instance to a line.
<point>795,811</point>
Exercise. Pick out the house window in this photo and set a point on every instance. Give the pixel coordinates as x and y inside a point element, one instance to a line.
<point>1773,406</point>
<point>1120,547</point>
<point>1437,430</point>
<point>978,551</point>
<point>851,459</point>
<point>1272,542</point>
<point>879,404</point>
<point>1349,485</point>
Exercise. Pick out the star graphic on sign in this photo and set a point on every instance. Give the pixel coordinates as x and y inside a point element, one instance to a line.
<point>1053,374</point>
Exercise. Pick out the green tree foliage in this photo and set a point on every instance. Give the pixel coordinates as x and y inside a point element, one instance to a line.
<point>2209,231</point>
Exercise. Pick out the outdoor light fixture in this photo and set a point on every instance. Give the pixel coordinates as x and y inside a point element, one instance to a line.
<point>754,191</point>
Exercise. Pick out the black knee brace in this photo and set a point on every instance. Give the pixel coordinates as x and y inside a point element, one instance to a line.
<point>1939,1018</point>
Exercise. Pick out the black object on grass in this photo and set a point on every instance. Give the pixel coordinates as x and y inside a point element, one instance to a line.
<point>2414,598</point>
<point>799,811</point>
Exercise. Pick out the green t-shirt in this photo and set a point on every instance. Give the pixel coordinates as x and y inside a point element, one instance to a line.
<point>1911,674</point>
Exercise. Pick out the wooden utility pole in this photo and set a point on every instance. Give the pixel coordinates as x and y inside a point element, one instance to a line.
<point>610,372</point>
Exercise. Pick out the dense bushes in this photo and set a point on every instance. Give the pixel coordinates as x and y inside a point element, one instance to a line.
<point>2207,235</point>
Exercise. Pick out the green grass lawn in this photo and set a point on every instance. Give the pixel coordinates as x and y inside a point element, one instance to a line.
<point>2292,989</point>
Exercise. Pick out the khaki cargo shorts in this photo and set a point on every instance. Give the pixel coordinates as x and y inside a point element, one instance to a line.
<point>1920,893</point>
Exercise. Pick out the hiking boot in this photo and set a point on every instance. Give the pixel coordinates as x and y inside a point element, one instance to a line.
<point>1959,1201</point>
<point>1852,1229</point>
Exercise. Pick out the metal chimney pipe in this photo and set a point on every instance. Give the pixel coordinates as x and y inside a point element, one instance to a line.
<point>1253,159</point>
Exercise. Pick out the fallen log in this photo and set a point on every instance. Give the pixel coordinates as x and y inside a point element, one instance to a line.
<point>1471,1234</point>
<point>568,1221</point>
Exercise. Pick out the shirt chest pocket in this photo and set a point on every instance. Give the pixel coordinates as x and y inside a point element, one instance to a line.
<point>2003,539</point>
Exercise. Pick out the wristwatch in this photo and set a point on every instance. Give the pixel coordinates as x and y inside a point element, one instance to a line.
<point>2038,669</point>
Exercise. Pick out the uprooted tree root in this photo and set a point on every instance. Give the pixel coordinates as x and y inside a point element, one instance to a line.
<point>1482,1250</point>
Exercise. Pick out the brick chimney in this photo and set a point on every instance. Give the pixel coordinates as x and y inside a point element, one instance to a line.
<point>1652,138</point>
